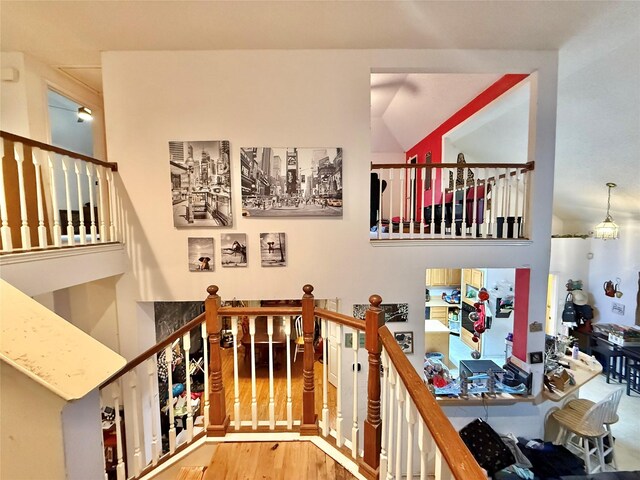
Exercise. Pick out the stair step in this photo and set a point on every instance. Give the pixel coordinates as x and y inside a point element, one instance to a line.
<point>191,473</point>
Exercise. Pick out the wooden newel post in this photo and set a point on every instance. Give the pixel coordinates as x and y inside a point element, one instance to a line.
<point>370,463</point>
<point>218,418</point>
<point>309,424</point>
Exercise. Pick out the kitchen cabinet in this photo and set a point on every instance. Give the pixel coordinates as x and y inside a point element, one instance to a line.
<point>441,314</point>
<point>436,339</point>
<point>467,338</point>
<point>477,278</point>
<point>443,277</point>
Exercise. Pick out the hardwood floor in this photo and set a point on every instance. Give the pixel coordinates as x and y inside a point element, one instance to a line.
<point>273,460</point>
<point>280,388</point>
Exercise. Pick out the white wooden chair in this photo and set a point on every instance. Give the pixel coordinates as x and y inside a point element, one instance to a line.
<point>299,340</point>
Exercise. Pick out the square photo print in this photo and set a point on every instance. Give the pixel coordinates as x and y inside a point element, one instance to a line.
<point>233,249</point>
<point>200,183</point>
<point>273,251</point>
<point>200,254</point>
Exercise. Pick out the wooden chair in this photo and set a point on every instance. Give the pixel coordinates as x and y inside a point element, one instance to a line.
<point>299,341</point>
<point>582,405</point>
<point>589,427</point>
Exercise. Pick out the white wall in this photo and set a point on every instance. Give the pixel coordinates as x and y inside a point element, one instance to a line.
<point>13,96</point>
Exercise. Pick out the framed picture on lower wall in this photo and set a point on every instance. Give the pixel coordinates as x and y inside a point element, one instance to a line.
<point>405,340</point>
<point>233,249</point>
<point>200,254</point>
<point>273,250</point>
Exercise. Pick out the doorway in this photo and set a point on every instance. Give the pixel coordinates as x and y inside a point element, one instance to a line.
<point>66,129</point>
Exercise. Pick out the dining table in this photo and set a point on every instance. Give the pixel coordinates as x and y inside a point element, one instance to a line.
<point>261,340</point>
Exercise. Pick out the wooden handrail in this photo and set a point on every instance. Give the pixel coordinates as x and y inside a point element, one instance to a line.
<point>157,348</point>
<point>342,319</point>
<point>68,153</point>
<point>418,166</point>
<point>461,463</point>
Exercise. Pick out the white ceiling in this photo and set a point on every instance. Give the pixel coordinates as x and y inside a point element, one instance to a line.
<point>598,107</point>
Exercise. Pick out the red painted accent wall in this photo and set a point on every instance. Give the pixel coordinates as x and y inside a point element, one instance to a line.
<point>521,313</point>
<point>433,141</point>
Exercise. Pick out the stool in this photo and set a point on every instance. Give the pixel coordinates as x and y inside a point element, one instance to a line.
<point>633,376</point>
<point>582,406</point>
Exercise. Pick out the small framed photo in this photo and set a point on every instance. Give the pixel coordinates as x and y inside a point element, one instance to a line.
<point>617,308</point>
<point>273,250</point>
<point>200,254</point>
<point>234,250</point>
<point>535,357</point>
<point>405,340</point>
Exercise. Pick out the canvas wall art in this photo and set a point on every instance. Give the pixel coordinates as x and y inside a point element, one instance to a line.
<point>201,183</point>
<point>405,340</point>
<point>273,251</point>
<point>234,250</point>
<point>291,182</point>
<point>393,312</point>
<point>200,254</point>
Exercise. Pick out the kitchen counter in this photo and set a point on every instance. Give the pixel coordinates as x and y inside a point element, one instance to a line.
<point>436,339</point>
<point>439,302</point>
<point>585,369</point>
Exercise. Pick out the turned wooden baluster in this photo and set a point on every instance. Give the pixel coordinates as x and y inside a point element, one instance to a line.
<point>309,424</point>
<point>218,418</point>
<point>374,319</point>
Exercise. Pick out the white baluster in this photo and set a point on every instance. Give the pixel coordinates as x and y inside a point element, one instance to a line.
<point>354,428</point>
<point>133,388</point>
<point>112,206</point>
<point>424,197</point>
<point>101,204</point>
<point>403,199</point>
<point>495,195</point>
<point>36,155</point>
<point>254,400</point>
<point>83,234</point>
<point>525,202</point>
<point>443,174</point>
<point>390,203</point>
<point>168,357</point>
<point>410,415</point>
<point>186,345</point>
<point>120,468</point>
<point>432,183</point>
<point>442,471</point>
<point>412,200</point>
<point>151,371</point>
<point>5,230</point>
<point>517,203</point>
<point>205,361</point>
<point>236,383</point>
<point>93,230</point>
<point>422,448</point>
<point>272,405</point>
<point>25,234</point>
<point>287,332</point>
<point>339,418</point>
<point>400,394</point>
<point>463,225</point>
<point>57,229</point>
<point>379,231</point>
<point>385,408</point>
<point>390,430</point>
<point>70,233</point>
<point>504,190</point>
<point>325,380</point>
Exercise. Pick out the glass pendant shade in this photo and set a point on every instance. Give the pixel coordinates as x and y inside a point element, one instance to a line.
<point>607,230</point>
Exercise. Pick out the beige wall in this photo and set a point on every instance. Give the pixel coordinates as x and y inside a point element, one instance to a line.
<point>30,429</point>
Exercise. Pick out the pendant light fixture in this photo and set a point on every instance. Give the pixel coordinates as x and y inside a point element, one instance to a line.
<point>84,114</point>
<point>607,230</point>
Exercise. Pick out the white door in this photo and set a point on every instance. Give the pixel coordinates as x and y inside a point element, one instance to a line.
<point>333,344</point>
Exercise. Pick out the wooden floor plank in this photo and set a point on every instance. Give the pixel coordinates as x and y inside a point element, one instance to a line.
<point>273,461</point>
<point>190,473</point>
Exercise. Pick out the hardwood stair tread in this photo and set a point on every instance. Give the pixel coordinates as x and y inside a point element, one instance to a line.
<point>191,473</point>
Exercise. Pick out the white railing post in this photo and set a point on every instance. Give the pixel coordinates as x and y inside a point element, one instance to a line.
<point>133,388</point>
<point>390,429</point>
<point>120,468</point>
<point>168,357</point>
<point>70,233</point>
<point>354,428</point>
<point>236,383</point>
<point>272,405</point>
<point>424,200</point>
<point>36,155</point>
<point>339,418</point>
<point>5,230</point>
<point>104,237</point>
<point>152,373</point>
<point>412,200</point>
<point>325,380</point>
<point>81,230</point>
<point>385,409</point>
<point>93,231</point>
<point>25,234</point>
<point>57,229</point>
<point>254,399</point>
<point>400,395</point>
<point>205,361</point>
<point>411,421</point>
<point>112,207</point>
<point>287,332</point>
<point>379,229</point>
<point>403,200</point>
<point>443,189</point>
<point>391,203</point>
<point>186,345</point>
<point>525,203</point>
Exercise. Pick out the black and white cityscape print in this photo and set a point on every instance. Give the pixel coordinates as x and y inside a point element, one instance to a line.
<point>233,249</point>
<point>273,251</point>
<point>291,182</point>
<point>201,183</point>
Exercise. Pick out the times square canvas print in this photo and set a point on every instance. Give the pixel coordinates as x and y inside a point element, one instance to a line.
<point>291,182</point>
<point>201,183</point>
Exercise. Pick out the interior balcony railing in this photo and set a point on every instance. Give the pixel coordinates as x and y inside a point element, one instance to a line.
<point>51,197</point>
<point>451,201</point>
<point>268,390</point>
